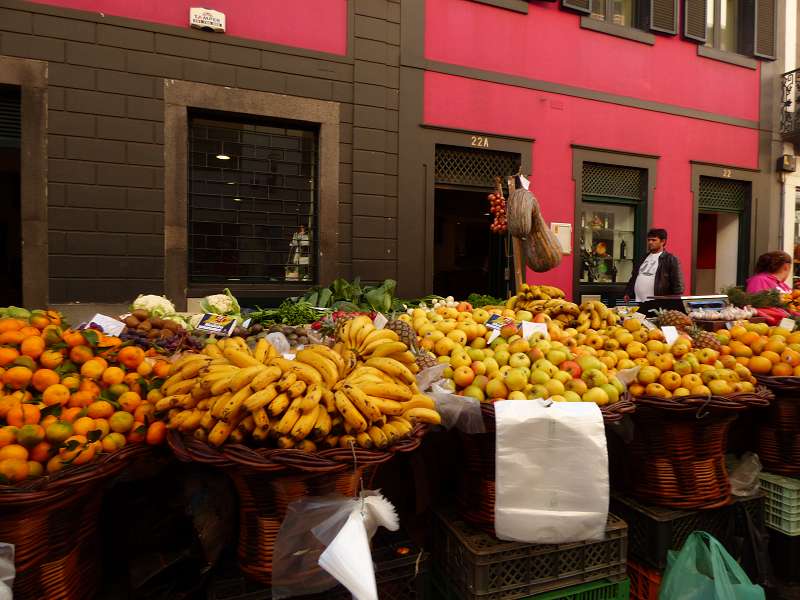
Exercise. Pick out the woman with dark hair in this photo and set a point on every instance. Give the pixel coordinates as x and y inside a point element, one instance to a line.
<point>772,270</point>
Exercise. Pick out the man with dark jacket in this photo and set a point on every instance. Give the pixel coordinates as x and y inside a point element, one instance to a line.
<point>658,273</point>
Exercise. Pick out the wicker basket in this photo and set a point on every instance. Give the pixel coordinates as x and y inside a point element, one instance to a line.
<point>52,521</point>
<point>477,477</point>
<point>779,433</point>
<point>267,480</point>
<point>677,455</point>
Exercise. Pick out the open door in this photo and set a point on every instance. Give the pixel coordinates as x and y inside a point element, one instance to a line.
<point>10,201</point>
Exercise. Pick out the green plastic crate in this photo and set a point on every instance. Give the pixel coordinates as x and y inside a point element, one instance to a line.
<point>597,590</point>
<point>782,507</point>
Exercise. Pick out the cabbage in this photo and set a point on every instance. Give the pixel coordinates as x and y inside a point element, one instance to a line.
<point>221,304</point>
<point>156,306</point>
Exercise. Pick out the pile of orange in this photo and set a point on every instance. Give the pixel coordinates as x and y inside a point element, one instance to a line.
<point>68,396</point>
<point>762,349</point>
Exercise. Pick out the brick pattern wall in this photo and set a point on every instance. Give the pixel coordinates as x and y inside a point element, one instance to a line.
<point>106,135</point>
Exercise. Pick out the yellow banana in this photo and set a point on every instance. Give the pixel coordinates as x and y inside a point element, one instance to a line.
<point>248,424</point>
<point>347,441</point>
<point>349,412</point>
<point>328,400</point>
<point>219,433</point>
<point>289,419</point>
<point>322,427</point>
<point>362,402</point>
<point>377,338</point>
<point>261,350</point>
<point>220,385</point>
<point>401,424</point>
<point>393,432</point>
<point>231,408</point>
<point>222,400</point>
<point>278,405</point>
<point>244,376</point>
<point>285,442</point>
<point>261,419</point>
<point>389,348</point>
<point>406,357</point>
<point>364,440</point>
<point>266,377</point>
<point>393,368</point>
<point>302,371</point>
<point>360,327</point>
<point>240,358</point>
<point>213,351</point>
<point>296,389</point>
<point>208,421</point>
<point>391,391</point>
<point>423,415</point>
<point>306,446</point>
<point>302,428</point>
<point>172,380</point>
<point>378,437</point>
<point>419,401</point>
<point>331,441</point>
<point>332,356</point>
<point>386,406</point>
<point>312,397</point>
<point>181,387</point>
<point>288,380</point>
<point>261,398</point>
<point>271,353</point>
<point>326,367</point>
<point>167,402</point>
<point>261,434</point>
<point>192,422</point>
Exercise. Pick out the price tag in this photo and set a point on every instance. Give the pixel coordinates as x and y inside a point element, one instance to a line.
<point>497,322</point>
<point>670,334</point>
<point>109,325</point>
<point>640,317</point>
<point>217,324</point>
<point>728,324</point>
<point>788,323</point>
<point>529,328</point>
<point>380,321</point>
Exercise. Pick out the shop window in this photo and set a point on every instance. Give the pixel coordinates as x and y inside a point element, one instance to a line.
<point>723,22</point>
<point>252,200</point>
<point>618,12</point>
<point>731,29</point>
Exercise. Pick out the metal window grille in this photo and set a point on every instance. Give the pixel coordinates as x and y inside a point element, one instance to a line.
<point>10,117</point>
<point>473,168</point>
<point>613,181</point>
<point>723,195</point>
<point>252,201</point>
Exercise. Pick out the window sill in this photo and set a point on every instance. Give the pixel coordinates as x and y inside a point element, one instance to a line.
<point>628,33</point>
<point>520,6</point>
<point>727,57</point>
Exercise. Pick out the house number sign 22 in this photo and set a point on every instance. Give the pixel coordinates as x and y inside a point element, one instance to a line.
<point>480,141</point>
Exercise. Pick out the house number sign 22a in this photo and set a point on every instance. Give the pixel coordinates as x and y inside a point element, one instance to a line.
<point>479,141</point>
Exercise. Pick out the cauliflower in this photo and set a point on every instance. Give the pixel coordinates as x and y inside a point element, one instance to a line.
<point>221,304</point>
<point>156,306</point>
<point>180,320</point>
<point>194,321</point>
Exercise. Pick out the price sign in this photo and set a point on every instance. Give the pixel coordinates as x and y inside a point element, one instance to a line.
<point>221,325</point>
<point>109,325</point>
<point>528,329</point>
<point>380,321</point>
<point>640,317</point>
<point>788,323</point>
<point>670,334</point>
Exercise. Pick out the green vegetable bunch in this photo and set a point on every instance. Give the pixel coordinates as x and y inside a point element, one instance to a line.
<point>762,299</point>
<point>481,300</point>
<point>290,312</point>
<point>352,296</point>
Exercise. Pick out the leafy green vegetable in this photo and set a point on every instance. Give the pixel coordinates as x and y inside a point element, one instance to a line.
<point>290,312</point>
<point>762,299</point>
<point>480,300</point>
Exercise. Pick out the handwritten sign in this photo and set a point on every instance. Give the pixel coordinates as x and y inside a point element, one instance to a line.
<point>221,325</point>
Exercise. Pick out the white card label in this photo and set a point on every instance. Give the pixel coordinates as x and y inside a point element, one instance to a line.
<point>788,323</point>
<point>640,317</point>
<point>529,328</point>
<point>380,321</point>
<point>670,334</point>
<point>109,325</point>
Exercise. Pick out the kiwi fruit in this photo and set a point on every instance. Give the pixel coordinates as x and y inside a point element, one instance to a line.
<point>145,326</point>
<point>141,314</point>
<point>131,321</point>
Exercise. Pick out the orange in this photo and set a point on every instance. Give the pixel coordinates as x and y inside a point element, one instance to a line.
<point>41,452</point>
<point>133,381</point>
<point>121,421</point>
<point>14,451</point>
<point>30,435</point>
<point>56,394</point>
<point>161,369</point>
<point>7,355</point>
<point>113,442</point>
<point>137,432</point>
<point>9,324</point>
<point>39,321</point>
<point>24,414</point>
<point>761,365</point>
<point>102,361</point>
<point>50,359</point>
<point>8,435</point>
<point>73,338</point>
<point>129,401</point>
<point>92,369</point>
<point>113,376</point>
<point>102,426</point>
<point>54,316</point>
<point>131,356</point>
<point>80,354</point>
<point>87,385</point>
<point>100,409</point>
<point>749,338</point>
<point>44,378</point>
<point>156,433</point>
<point>17,377</point>
<point>48,420</point>
<point>69,415</point>
<point>32,346</point>
<point>71,382</point>
<point>144,369</point>
<point>59,431</point>
<point>55,464</point>
<point>29,331</point>
<point>118,389</point>
<point>782,369</point>
<point>771,356</point>
<point>14,469</point>
<point>35,469</point>
<point>144,412</point>
<point>154,395</point>
<point>80,399</point>
<point>13,338</point>
<point>78,450</point>
<point>7,403</point>
<point>84,425</point>
<point>790,357</point>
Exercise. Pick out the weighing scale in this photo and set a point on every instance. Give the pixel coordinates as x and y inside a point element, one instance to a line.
<point>684,304</point>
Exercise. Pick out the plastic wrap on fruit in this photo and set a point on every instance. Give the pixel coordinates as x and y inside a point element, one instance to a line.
<point>7,571</point>
<point>338,528</point>
<point>279,342</point>
<point>744,474</point>
<point>457,412</point>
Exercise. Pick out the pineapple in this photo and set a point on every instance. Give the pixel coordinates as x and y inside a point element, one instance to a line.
<point>673,317</point>
<point>405,332</point>
<point>703,339</point>
<point>424,359</point>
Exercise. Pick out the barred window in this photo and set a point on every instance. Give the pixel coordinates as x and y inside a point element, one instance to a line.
<point>252,200</point>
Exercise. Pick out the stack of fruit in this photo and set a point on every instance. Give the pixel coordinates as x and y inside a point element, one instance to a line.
<point>68,396</point>
<point>792,301</point>
<point>361,392</point>
<point>582,363</point>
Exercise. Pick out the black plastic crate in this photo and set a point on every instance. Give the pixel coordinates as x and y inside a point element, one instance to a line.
<point>654,530</point>
<point>398,577</point>
<point>478,566</point>
<point>784,552</point>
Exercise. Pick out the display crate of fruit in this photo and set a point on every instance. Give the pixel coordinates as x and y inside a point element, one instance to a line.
<point>478,565</point>
<point>653,531</point>
<point>645,582</point>
<point>782,509</point>
<point>401,573</point>
<point>598,590</point>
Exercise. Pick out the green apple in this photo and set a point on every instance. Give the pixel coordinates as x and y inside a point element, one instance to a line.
<point>515,380</point>
<point>520,359</point>
<point>473,391</point>
<point>571,396</point>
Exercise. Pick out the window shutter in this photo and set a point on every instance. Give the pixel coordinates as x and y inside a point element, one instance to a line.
<point>662,16</point>
<point>581,6</point>
<point>764,33</point>
<point>694,20</point>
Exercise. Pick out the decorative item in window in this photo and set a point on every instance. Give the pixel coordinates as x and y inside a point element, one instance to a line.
<point>298,267</point>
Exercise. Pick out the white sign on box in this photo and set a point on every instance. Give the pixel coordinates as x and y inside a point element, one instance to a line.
<point>207,19</point>
<point>551,469</point>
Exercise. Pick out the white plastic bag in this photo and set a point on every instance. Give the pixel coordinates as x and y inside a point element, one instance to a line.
<point>326,526</point>
<point>279,342</point>
<point>7,571</point>
<point>744,474</point>
<point>551,472</point>
<point>459,412</point>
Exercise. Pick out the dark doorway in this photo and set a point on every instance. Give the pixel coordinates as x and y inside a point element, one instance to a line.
<point>10,214</point>
<point>467,256</point>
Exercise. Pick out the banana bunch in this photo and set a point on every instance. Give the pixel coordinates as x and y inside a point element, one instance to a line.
<point>379,402</point>
<point>528,293</point>
<point>595,315</point>
<point>360,340</point>
<point>231,393</point>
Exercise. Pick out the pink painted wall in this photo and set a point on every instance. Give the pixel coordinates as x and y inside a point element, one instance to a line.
<point>556,122</point>
<point>313,24</point>
<point>548,44</point>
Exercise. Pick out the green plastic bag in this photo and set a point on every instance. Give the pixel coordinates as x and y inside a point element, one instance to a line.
<point>703,570</point>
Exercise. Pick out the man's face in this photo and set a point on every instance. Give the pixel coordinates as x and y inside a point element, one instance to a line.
<point>655,244</point>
